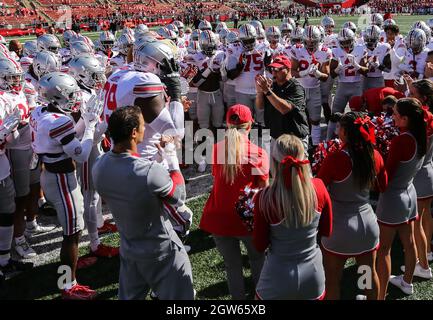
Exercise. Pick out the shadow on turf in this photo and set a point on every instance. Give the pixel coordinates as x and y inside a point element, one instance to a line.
<point>41,282</point>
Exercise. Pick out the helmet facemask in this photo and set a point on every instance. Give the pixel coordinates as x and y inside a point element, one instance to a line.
<point>13,82</point>
<point>72,102</point>
<point>311,45</point>
<point>347,45</point>
<point>371,42</point>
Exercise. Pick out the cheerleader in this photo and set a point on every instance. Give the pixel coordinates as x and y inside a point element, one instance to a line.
<point>397,209</point>
<point>350,174</point>
<point>237,162</point>
<point>288,215</point>
<point>423,182</point>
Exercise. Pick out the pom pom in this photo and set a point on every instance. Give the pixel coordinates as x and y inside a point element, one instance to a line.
<point>322,151</point>
<point>245,206</point>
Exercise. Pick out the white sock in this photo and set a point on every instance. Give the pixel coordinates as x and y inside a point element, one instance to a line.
<point>41,201</point>
<point>316,134</point>
<point>69,285</point>
<point>20,239</point>
<point>4,259</point>
<point>31,224</point>
<point>94,241</point>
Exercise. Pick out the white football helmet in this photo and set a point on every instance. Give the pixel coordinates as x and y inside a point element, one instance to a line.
<point>88,71</point>
<point>377,19</point>
<point>140,29</point>
<point>60,90</point>
<point>350,25</point>
<point>311,38</point>
<point>286,29</point>
<point>416,40</point>
<point>107,40</point>
<point>30,48</point>
<point>424,27</point>
<point>430,24</point>
<point>223,35</point>
<point>208,43</point>
<point>297,35</point>
<point>346,39</point>
<point>149,56</point>
<point>124,42</point>
<point>220,26</point>
<point>372,36</point>
<point>68,35</point>
<point>193,47</point>
<point>45,62</point>
<point>195,35</point>
<point>173,28</point>
<point>80,47</point>
<point>328,24</point>
<point>273,34</point>
<point>248,36</point>
<point>48,42</point>
<point>11,75</point>
<point>232,37</point>
<point>205,25</point>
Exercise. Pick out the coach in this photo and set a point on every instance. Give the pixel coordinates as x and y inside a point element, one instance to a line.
<point>151,254</point>
<point>283,100</point>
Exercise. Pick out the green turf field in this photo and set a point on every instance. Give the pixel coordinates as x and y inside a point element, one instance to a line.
<point>404,21</point>
<point>207,266</point>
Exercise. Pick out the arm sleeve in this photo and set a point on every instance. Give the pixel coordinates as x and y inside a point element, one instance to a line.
<point>324,206</point>
<point>170,187</point>
<point>402,148</point>
<point>381,174</point>
<point>79,151</point>
<point>261,228</point>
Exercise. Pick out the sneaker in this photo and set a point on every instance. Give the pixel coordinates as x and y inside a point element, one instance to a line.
<point>202,166</point>
<point>430,256</point>
<point>107,228</point>
<point>47,210</point>
<point>361,297</point>
<point>398,281</point>
<point>28,233</point>
<point>187,248</point>
<point>24,250</point>
<point>104,251</point>
<point>79,292</point>
<point>86,262</point>
<point>15,266</point>
<point>420,271</point>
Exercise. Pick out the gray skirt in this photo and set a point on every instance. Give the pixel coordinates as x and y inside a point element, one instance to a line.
<point>397,206</point>
<point>283,279</point>
<point>352,234</point>
<point>423,181</point>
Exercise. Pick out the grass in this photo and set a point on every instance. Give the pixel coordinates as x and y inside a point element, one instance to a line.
<point>405,23</point>
<point>208,272</point>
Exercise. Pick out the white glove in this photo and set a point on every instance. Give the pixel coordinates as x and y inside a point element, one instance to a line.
<point>405,68</point>
<point>352,61</point>
<point>168,153</point>
<point>306,72</point>
<point>10,123</point>
<point>316,73</point>
<point>187,215</point>
<point>215,64</point>
<point>395,58</point>
<point>373,64</point>
<point>92,110</point>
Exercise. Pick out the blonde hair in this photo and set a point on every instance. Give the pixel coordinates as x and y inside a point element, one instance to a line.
<point>296,206</point>
<point>234,151</point>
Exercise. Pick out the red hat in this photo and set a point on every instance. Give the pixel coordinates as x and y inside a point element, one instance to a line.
<point>239,114</point>
<point>281,61</point>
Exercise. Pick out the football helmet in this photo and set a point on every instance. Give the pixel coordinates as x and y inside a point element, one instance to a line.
<point>124,42</point>
<point>286,29</point>
<point>11,75</point>
<point>88,71</point>
<point>80,47</point>
<point>372,36</point>
<point>346,39</point>
<point>205,25</point>
<point>416,40</point>
<point>328,24</point>
<point>68,35</point>
<point>45,62</point>
<point>350,25</point>
<point>151,55</point>
<point>48,42</point>
<point>311,38</point>
<point>208,43</point>
<point>248,36</point>
<point>30,48</point>
<point>297,35</point>
<point>377,19</point>
<point>424,27</point>
<point>273,34</point>
<point>107,39</point>
<point>220,26</point>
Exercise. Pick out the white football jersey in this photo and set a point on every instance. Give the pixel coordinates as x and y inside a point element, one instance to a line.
<point>377,54</point>
<point>48,129</point>
<point>400,50</point>
<point>289,50</point>
<point>278,50</point>
<point>5,109</point>
<point>330,40</point>
<point>349,74</point>
<point>416,62</point>
<point>233,50</point>
<point>245,82</point>
<point>305,59</point>
<point>19,101</point>
<point>121,90</point>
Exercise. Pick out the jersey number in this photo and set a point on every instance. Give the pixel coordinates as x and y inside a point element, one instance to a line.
<point>110,96</point>
<point>256,59</point>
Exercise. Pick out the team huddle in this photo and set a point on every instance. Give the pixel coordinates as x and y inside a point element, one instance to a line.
<point>56,102</point>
